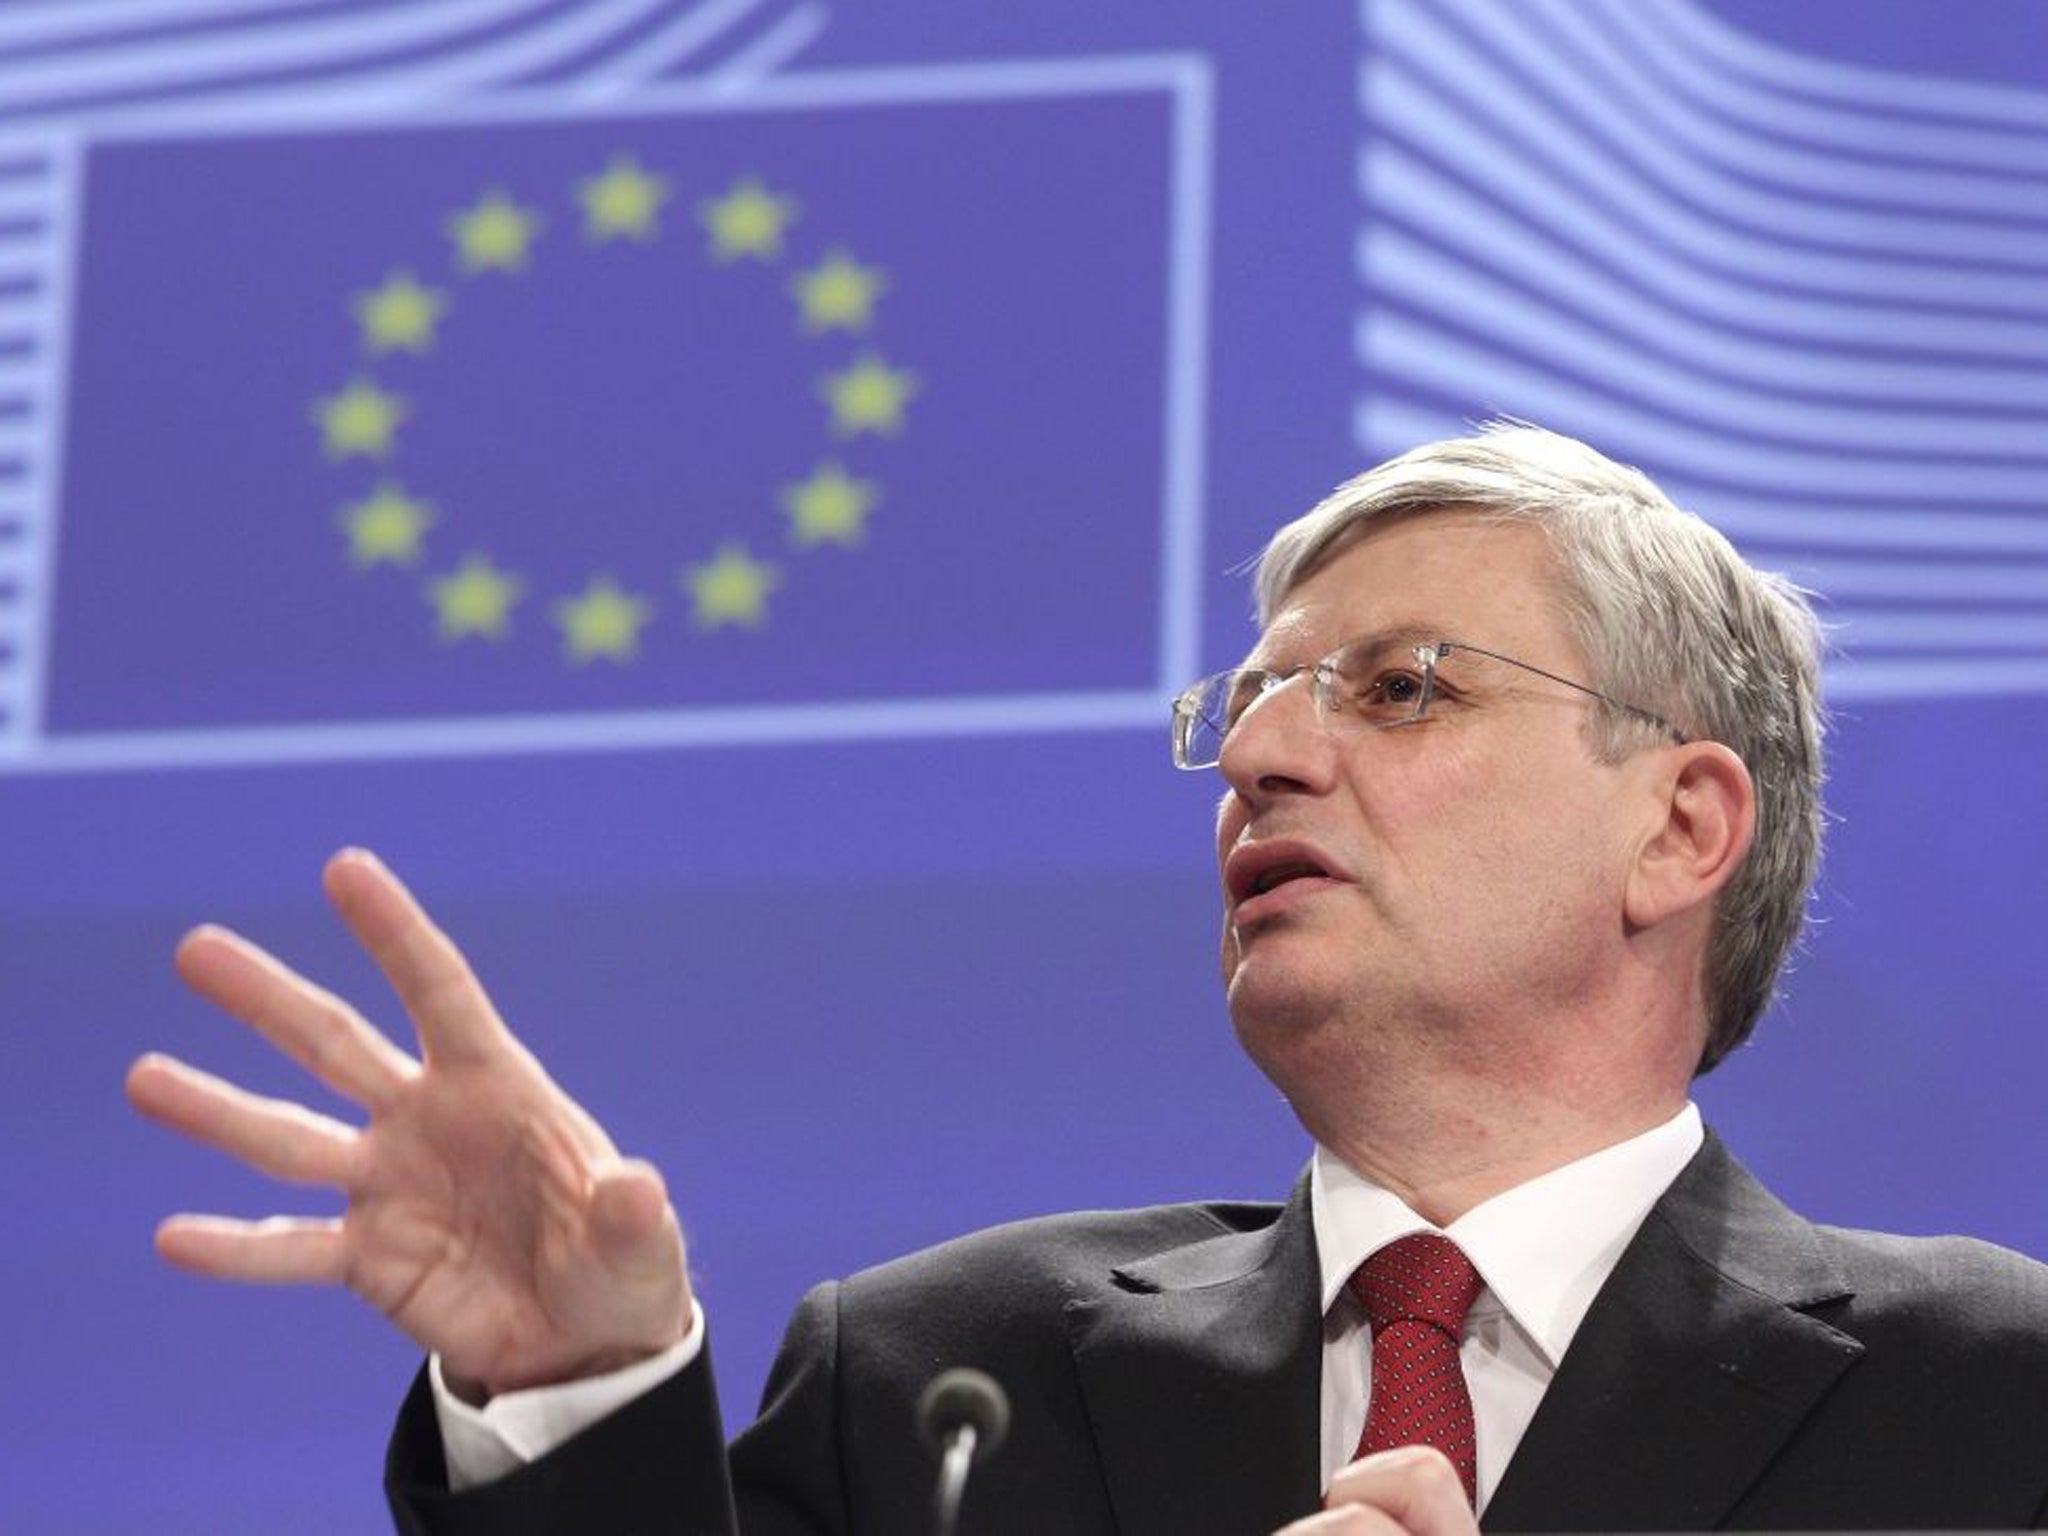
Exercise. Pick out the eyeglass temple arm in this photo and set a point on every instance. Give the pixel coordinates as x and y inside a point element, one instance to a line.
<point>1444,648</point>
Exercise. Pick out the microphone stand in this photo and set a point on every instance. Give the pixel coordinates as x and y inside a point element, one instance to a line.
<point>953,1479</point>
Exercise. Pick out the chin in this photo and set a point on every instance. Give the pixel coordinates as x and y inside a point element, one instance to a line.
<point>1296,1039</point>
<point>1270,997</point>
<point>1301,1017</point>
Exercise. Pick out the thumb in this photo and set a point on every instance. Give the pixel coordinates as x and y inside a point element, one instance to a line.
<point>631,1222</point>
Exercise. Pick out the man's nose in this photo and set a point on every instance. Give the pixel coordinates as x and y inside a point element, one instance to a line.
<point>1280,745</point>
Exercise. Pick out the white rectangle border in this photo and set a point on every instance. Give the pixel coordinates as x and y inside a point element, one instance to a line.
<point>1185,78</point>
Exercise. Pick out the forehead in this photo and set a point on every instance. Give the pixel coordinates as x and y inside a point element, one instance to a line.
<point>1458,573</point>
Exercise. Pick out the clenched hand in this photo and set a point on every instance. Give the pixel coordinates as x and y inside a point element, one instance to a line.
<point>1411,1491</point>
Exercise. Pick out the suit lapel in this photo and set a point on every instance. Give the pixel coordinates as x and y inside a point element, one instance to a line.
<point>1201,1371</point>
<point>1692,1368</point>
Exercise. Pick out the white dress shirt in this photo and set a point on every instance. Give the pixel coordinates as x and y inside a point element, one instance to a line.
<point>1543,1248</point>
<point>483,1444</point>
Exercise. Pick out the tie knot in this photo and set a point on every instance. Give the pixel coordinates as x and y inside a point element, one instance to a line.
<point>1423,1278</point>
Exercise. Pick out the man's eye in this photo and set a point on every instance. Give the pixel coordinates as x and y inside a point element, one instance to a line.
<point>1389,692</point>
<point>1399,687</point>
<point>1245,691</point>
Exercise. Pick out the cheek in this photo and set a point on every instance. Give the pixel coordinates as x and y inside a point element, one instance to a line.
<point>1472,825</point>
<point>1423,803</point>
<point>1539,855</point>
<point>1229,824</point>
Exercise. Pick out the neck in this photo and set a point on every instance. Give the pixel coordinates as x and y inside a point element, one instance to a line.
<point>1446,1123</point>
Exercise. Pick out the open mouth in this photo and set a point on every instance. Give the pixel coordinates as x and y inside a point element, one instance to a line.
<point>1280,874</point>
<point>1259,868</point>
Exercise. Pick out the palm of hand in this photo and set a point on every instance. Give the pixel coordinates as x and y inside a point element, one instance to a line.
<point>488,1216</point>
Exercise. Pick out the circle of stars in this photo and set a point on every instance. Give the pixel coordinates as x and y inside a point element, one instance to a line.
<point>494,238</point>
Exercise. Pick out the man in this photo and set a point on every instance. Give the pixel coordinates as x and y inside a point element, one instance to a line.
<point>1521,810</point>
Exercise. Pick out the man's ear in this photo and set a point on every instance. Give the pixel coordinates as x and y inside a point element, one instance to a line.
<point>1709,808</point>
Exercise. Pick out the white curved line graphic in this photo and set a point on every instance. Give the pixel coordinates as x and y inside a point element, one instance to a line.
<point>665,47</point>
<point>1453,295</point>
<point>154,63</point>
<point>223,65</point>
<point>1442,93</point>
<point>1407,242</point>
<point>1404,347</point>
<point>44,22</point>
<point>1790,110</point>
<point>1628,93</point>
<point>1892,93</point>
<point>1396,179</point>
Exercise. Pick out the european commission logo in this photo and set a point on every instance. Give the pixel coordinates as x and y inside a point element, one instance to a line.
<point>862,405</point>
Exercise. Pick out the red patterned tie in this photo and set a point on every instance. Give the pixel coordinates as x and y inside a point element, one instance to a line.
<point>1416,1293</point>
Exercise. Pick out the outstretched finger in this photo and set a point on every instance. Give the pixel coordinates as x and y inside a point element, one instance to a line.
<point>278,1249</point>
<point>448,1005</point>
<point>284,1140</point>
<point>308,1023</point>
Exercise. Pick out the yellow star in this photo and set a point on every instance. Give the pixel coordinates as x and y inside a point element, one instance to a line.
<point>869,397</point>
<point>493,234</point>
<point>361,419</point>
<point>476,600</point>
<point>604,621</point>
<point>731,588</point>
<point>839,293</point>
<point>401,315</point>
<point>747,221</point>
<point>386,527</point>
<point>625,200</point>
<point>829,508</point>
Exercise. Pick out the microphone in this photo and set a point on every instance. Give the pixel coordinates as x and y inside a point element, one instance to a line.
<point>962,1413</point>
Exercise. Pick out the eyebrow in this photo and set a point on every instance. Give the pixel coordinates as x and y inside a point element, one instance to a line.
<point>1405,631</point>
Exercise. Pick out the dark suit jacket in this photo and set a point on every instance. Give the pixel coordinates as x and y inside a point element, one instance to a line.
<point>1742,1369</point>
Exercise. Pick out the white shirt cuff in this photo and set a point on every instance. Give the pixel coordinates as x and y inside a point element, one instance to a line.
<point>483,1444</point>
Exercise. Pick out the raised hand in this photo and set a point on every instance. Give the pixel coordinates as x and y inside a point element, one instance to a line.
<point>488,1216</point>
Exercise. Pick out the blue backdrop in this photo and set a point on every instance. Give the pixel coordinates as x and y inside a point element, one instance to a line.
<point>718,492</point>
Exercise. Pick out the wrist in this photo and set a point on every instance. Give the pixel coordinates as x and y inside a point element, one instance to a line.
<point>477,1392</point>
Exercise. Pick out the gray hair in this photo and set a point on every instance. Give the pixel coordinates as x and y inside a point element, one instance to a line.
<point>1670,618</point>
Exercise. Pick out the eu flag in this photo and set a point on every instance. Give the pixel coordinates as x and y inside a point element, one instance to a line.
<point>542,414</point>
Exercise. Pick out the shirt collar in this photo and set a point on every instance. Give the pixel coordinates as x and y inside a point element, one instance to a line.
<point>1543,1248</point>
